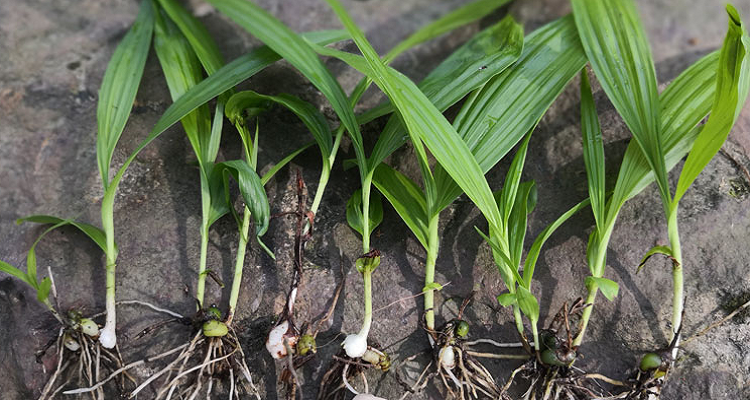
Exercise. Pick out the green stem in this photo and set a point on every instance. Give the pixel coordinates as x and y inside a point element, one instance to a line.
<point>200,294</point>
<point>240,262</point>
<point>590,298</point>
<point>108,336</point>
<point>535,332</point>
<point>598,271</point>
<point>677,278</point>
<point>519,321</point>
<point>433,245</point>
<point>366,187</point>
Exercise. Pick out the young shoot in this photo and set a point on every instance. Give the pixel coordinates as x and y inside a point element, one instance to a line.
<point>663,126</point>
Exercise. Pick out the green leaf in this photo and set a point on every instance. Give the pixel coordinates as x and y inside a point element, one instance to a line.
<point>310,116</point>
<point>512,180</point>
<point>732,84</point>
<point>201,41</point>
<point>406,198</point>
<point>355,215</point>
<point>507,299</point>
<point>528,304</point>
<point>182,71</point>
<point>508,270</point>
<point>94,233</point>
<point>120,85</point>
<point>283,162</point>
<point>510,104</point>
<point>619,53</point>
<point>216,84</point>
<point>517,222</point>
<point>11,270</point>
<point>459,17</point>
<point>227,77</point>
<point>593,152</point>
<point>432,286</point>
<point>252,192</point>
<point>424,122</point>
<point>665,250</point>
<point>485,55</point>
<point>609,288</point>
<point>685,102</point>
<point>42,292</point>
<point>298,53</point>
<point>536,248</point>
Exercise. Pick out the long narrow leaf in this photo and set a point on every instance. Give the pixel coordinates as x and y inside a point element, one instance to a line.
<point>94,233</point>
<point>310,116</point>
<point>252,192</point>
<point>732,84</point>
<point>485,55</point>
<point>13,271</point>
<point>507,107</point>
<point>223,80</point>
<point>406,198</point>
<point>459,17</point>
<point>593,151</point>
<point>685,102</point>
<point>120,85</point>
<point>518,221</point>
<point>298,53</point>
<point>182,71</point>
<point>203,44</point>
<point>619,53</point>
<point>536,248</point>
<point>512,180</point>
<point>425,123</point>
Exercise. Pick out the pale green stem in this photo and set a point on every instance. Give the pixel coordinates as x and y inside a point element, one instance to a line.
<point>519,321</point>
<point>52,310</point>
<point>240,262</point>
<point>366,187</point>
<point>535,332</point>
<point>677,279</point>
<point>200,294</point>
<point>593,289</point>
<point>108,337</point>
<point>367,278</point>
<point>433,245</point>
<point>206,206</point>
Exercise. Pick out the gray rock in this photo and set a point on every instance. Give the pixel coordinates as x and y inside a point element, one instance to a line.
<point>53,58</point>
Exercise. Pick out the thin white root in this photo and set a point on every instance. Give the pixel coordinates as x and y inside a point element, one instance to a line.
<point>346,382</point>
<point>498,356</point>
<point>121,370</point>
<point>151,306</point>
<point>496,344</point>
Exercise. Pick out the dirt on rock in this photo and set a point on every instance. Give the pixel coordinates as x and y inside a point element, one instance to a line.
<point>53,58</point>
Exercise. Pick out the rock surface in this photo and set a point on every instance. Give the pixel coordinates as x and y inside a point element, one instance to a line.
<point>53,57</point>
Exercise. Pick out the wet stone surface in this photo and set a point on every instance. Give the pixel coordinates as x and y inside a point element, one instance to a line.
<point>53,58</point>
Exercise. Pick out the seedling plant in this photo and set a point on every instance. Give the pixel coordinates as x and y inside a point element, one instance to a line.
<point>664,129</point>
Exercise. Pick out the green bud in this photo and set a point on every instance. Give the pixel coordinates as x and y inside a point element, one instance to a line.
<point>214,312</point>
<point>74,316</point>
<point>549,339</point>
<point>305,345</point>
<point>70,343</point>
<point>549,357</point>
<point>650,361</point>
<point>368,262</point>
<point>462,329</point>
<point>214,328</point>
<point>89,327</point>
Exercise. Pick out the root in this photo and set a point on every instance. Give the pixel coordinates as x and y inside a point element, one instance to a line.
<point>200,364</point>
<point>84,365</point>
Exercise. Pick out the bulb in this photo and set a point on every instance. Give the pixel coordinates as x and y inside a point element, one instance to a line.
<point>447,357</point>
<point>214,328</point>
<point>70,343</point>
<point>108,338</point>
<point>89,327</point>
<point>275,342</point>
<point>355,345</point>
